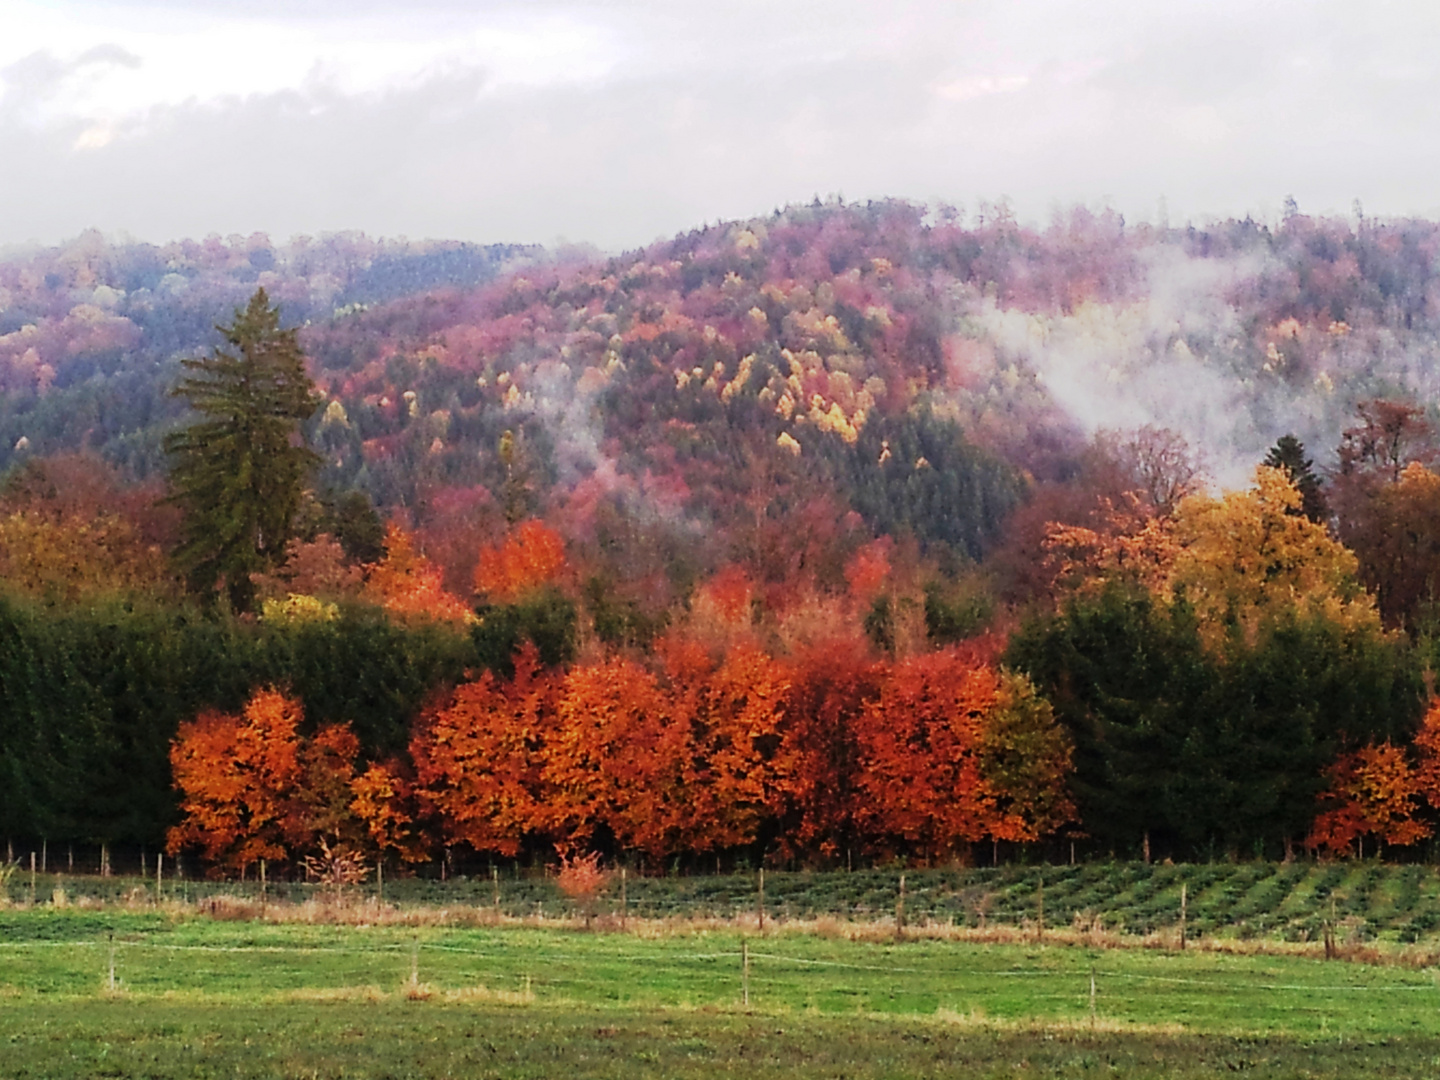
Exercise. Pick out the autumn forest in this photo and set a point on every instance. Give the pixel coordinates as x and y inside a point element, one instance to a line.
<point>846,535</point>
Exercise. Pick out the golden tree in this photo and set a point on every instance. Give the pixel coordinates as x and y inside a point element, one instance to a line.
<point>1248,556</point>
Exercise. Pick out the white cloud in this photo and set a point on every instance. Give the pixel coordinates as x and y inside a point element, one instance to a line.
<point>968,89</point>
<point>617,122</point>
<point>176,56</point>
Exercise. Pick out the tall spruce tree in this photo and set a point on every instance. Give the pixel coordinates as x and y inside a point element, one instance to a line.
<point>238,472</point>
<point>1289,454</point>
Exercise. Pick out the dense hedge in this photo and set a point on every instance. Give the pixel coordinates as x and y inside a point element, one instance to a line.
<point>91,697</point>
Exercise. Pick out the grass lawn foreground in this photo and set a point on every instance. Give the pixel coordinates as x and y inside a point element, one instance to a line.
<point>199,997</point>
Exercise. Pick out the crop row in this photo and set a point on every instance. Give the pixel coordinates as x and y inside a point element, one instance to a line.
<point>1288,900</point>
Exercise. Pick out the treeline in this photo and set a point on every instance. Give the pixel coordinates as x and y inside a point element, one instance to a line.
<point>1189,751</point>
<point>831,755</point>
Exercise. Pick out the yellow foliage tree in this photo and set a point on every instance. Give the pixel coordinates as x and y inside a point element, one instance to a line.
<point>67,559</point>
<point>1248,556</point>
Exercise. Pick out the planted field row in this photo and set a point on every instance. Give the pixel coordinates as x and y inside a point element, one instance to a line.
<point>1291,901</point>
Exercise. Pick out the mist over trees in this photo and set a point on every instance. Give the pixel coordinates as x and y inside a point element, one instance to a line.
<point>1122,535</point>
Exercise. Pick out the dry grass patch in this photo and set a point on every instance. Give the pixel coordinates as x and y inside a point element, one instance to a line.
<point>489,995</point>
<point>977,1019</point>
<point>335,994</point>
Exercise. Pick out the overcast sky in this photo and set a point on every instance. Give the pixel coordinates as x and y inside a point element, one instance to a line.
<point>616,123</point>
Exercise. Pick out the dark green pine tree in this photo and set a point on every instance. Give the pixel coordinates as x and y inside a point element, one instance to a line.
<point>238,472</point>
<point>1289,454</point>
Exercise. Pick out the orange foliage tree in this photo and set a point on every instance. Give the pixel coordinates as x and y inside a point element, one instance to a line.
<point>1377,792</point>
<point>253,788</point>
<point>386,804</point>
<point>531,556</point>
<point>953,751</point>
<point>1427,753</point>
<point>601,761</point>
<point>920,779</point>
<point>1124,542</point>
<point>723,767</point>
<point>477,759</point>
<point>1374,791</point>
<point>408,585</point>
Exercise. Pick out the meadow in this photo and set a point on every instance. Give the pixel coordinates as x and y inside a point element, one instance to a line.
<point>216,984</point>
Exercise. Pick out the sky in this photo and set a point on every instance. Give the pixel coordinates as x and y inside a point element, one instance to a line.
<point>617,123</point>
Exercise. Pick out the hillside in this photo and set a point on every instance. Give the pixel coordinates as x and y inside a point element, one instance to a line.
<point>836,513</point>
<point>754,371</point>
<point>90,331</point>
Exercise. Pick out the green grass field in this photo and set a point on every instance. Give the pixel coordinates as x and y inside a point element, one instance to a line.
<point>197,997</point>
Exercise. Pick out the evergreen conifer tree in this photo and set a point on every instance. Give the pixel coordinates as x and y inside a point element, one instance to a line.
<point>1289,454</point>
<point>238,472</point>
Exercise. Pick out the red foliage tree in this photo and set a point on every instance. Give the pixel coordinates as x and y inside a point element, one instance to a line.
<point>832,683</point>
<point>1374,792</point>
<point>1427,754</point>
<point>868,570</point>
<point>954,751</point>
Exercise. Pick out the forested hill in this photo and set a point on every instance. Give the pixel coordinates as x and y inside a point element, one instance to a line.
<point>804,346</point>
<point>856,455</point>
<point>90,331</point>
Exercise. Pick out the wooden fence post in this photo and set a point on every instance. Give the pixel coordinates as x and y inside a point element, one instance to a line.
<point>900,910</point>
<point>1182,916</point>
<point>744,973</point>
<point>1040,903</point>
